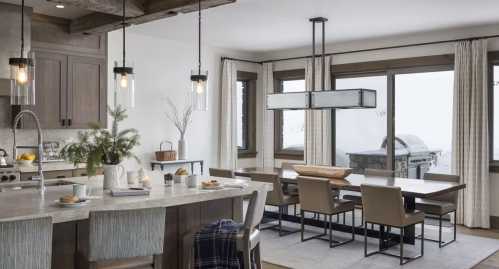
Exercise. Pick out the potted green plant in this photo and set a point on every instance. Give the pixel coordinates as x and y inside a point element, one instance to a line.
<point>107,148</point>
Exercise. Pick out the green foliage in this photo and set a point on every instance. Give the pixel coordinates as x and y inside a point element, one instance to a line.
<point>101,146</point>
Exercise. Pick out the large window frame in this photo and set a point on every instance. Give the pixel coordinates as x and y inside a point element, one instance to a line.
<point>249,81</point>
<point>493,58</point>
<point>390,68</point>
<point>279,151</point>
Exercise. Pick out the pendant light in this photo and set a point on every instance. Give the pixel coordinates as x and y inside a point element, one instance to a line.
<point>22,74</point>
<point>124,80</point>
<point>199,79</point>
<point>321,98</point>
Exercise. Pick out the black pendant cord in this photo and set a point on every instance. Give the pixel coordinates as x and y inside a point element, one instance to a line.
<point>199,37</point>
<point>123,25</point>
<point>22,29</point>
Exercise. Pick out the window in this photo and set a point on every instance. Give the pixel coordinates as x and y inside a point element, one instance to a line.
<point>246,114</point>
<point>495,115</point>
<point>289,124</point>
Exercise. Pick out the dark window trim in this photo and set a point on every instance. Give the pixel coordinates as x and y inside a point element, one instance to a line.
<point>249,106</point>
<point>279,152</point>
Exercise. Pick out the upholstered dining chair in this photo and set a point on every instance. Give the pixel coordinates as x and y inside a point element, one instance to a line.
<point>385,206</point>
<point>316,196</point>
<point>356,199</point>
<point>111,235</point>
<point>440,205</point>
<point>277,198</point>
<point>218,172</point>
<point>26,243</point>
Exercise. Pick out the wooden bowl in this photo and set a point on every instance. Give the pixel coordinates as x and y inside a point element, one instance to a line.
<point>322,171</point>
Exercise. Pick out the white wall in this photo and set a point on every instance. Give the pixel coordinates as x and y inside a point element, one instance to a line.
<point>162,70</point>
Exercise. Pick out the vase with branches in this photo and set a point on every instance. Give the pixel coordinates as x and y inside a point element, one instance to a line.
<point>181,120</point>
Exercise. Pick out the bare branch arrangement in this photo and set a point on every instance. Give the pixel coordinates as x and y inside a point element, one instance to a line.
<point>180,120</point>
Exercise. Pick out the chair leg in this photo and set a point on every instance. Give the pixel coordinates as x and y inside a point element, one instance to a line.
<point>401,246</point>
<point>330,230</point>
<point>353,224</point>
<point>280,220</point>
<point>157,261</point>
<point>258,258</point>
<point>247,257</point>
<point>440,231</point>
<point>455,225</point>
<point>365,238</point>
<point>302,213</point>
<point>344,214</point>
<point>422,238</point>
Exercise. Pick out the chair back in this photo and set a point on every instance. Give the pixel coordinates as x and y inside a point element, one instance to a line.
<point>383,205</point>
<point>316,195</point>
<point>125,233</point>
<point>379,172</point>
<point>26,243</point>
<point>450,197</point>
<point>256,208</point>
<point>276,196</point>
<point>217,172</point>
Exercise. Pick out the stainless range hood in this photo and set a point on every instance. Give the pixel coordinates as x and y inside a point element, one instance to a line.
<point>320,98</point>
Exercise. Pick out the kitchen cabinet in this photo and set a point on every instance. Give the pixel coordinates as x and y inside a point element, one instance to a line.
<point>70,91</point>
<point>48,174</point>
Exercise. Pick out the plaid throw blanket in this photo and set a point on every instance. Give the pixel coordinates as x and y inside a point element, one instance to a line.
<point>215,246</point>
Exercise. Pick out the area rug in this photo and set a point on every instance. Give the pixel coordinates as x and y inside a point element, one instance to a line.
<point>288,251</point>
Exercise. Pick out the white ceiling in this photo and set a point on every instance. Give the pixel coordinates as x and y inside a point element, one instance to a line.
<point>48,8</point>
<point>263,25</point>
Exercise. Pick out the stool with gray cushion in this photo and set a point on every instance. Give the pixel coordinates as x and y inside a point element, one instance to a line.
<point>216,172</point>
<point>317,196</point>
<point>278,199</point>
<point>356,199</point>
<point>385,206</point>
<point>26,244</point>
<point>122,234</point>
<point>440,205</point>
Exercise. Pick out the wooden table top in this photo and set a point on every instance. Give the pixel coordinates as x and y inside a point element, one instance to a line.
<point>410,187</point>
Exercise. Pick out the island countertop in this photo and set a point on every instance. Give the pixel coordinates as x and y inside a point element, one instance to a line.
<point>24,204</point>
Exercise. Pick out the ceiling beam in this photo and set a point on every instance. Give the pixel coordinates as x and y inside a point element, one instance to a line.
<point>154,10</point>
<point>133,8</point>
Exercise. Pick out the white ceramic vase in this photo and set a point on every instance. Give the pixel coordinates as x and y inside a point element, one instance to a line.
<point>114,174</point>
<point>182,149</point>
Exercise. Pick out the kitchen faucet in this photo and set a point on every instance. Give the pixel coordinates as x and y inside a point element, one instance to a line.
<point>39,147</point>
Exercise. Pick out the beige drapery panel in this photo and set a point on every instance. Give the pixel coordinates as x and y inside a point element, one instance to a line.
<point>318,122</point>
<point>470,141</point>
<point>227,151</point>
<point>266,146</point>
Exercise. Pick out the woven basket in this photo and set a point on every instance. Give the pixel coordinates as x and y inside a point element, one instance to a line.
<point>166,155</point>
<point>322,171</point>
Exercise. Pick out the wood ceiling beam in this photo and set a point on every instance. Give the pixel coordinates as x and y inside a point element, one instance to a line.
<point>133,8</point>
<point>154,10</point>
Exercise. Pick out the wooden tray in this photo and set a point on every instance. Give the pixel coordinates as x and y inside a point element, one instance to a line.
<point>322,171</point>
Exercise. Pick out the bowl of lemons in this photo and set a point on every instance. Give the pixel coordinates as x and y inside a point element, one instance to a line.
<point>25,159</point>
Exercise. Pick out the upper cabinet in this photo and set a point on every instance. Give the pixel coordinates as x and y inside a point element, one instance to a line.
<point>71,85</point>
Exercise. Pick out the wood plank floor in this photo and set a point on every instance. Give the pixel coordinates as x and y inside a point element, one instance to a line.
<point>491,262</point>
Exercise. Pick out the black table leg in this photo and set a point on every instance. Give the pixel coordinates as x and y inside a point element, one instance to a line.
<point>409,231</point>
<point>382,238</point>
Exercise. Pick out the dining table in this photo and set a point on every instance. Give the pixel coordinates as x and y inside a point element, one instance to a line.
<point>411,190</point>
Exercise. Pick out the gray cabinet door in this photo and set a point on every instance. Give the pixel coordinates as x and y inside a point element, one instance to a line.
<point>50,90</point>
<point>87,96</point>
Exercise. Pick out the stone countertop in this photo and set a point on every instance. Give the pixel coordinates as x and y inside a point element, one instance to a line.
<point>49,166</point>
<point>28,203</point>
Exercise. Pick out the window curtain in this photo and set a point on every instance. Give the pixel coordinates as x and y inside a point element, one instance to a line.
<point>227,153</point>
<point>470,141</point>
<point>266,134</point>
<point>318,122</point>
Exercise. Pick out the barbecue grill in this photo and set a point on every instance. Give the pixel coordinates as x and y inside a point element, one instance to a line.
<point>412,157</point>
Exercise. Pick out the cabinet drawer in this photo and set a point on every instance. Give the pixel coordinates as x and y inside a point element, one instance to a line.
<point>49,174</point>
<point>82,172</point>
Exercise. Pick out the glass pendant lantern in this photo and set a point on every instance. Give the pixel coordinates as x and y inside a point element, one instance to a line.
<point>124,77</point>
<point>199,79</point>
<point>22,74</point>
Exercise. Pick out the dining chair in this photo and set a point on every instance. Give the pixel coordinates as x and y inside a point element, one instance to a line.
<point>440,205</point>
<point>357,199</point>
<point>26,243</point>
<point>111,235</point>
<point>316,196</point>
<point>218,172</point>
<point>277,198</point>
<point>384,206</point>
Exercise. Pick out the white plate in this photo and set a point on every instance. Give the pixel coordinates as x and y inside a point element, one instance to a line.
<point>79,204</point>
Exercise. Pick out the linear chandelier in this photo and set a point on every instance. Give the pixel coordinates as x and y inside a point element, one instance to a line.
<point>321,98</point>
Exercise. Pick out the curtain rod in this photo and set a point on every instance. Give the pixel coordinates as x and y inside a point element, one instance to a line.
<point>367,50</point>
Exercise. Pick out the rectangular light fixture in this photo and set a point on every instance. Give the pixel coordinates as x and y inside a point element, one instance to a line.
<point>338,99</point>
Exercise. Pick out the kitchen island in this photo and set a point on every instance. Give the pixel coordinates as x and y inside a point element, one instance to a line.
<point>188,209</point>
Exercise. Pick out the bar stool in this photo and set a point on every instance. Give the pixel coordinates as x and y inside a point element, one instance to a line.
<point>26,243</point>
<point>120,234</point>
<point>216,172</point>
<point>357,199</point>
<point>316,196</point>
<point>440,205</point>
<point>278,199</point>
<point>385,206</point>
